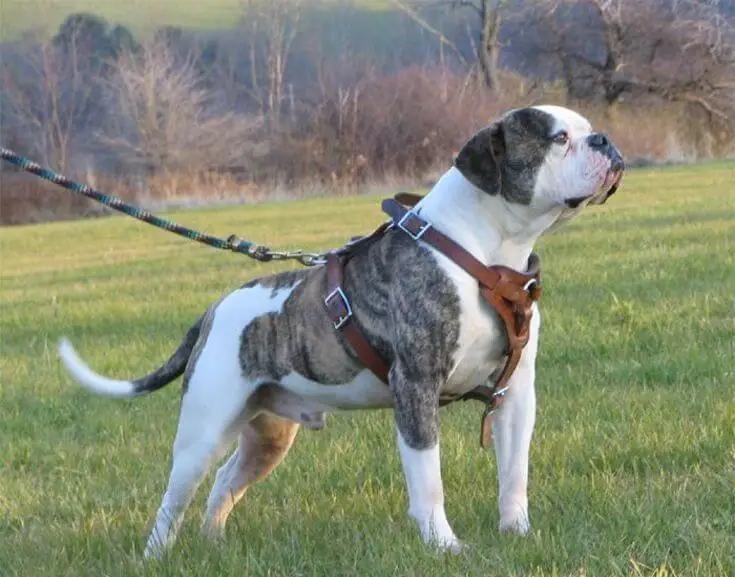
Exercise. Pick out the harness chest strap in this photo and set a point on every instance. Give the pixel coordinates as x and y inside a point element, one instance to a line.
<point>509,292</point>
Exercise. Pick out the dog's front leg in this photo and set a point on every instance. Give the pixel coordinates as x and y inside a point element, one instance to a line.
<point>512,429</point>
<point>417,421</point>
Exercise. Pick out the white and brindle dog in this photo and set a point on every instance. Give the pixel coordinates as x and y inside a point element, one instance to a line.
<point>266,358</point>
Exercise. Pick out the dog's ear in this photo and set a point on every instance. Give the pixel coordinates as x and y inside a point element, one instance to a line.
<point>481,159</point>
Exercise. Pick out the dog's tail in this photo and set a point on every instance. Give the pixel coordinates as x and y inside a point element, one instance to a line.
<point>171,369</point>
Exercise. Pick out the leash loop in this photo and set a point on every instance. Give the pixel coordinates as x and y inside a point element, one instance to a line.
<point>232,243</point>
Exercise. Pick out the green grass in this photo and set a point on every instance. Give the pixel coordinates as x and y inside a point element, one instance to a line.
<point>633,458</point>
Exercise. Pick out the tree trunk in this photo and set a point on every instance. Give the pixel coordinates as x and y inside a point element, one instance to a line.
<point>489,46</point>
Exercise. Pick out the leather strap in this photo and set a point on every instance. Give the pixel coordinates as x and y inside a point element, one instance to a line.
<point>508,291</point>
<point>339,309</point>
<point>408,198</point>
<point>490,277</point>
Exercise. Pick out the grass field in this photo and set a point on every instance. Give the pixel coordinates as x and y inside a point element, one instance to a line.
<point>633,459</point>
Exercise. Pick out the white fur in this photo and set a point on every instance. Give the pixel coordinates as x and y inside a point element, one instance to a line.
<point>572,170</point>
<point>422,470</point>
<point>365,391</point>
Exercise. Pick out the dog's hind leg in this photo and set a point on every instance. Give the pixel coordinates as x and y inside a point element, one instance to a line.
<point>212,408</point>
<point>191,460</point>
<point>214,404</point>
<point>264,442</point>
<point>202,434</point>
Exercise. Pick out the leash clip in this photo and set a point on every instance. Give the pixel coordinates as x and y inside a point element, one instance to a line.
<point>499,394</point>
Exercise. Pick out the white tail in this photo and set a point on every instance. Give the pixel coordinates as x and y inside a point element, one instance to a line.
<point>80,371</point>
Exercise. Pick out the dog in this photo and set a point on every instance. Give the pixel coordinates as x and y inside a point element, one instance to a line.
<point>266,358</point>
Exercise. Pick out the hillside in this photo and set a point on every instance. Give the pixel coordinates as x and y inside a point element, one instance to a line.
<point>18,16</point>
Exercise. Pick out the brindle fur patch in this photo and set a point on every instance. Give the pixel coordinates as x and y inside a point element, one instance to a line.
<point>409,313</point>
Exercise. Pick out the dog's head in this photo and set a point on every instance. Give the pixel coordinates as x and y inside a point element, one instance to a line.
<point>543,157</point>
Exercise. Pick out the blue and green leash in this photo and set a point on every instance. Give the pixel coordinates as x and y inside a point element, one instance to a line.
<point>232,243</point>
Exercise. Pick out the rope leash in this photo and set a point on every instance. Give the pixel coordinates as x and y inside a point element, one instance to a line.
<point>232,243</point>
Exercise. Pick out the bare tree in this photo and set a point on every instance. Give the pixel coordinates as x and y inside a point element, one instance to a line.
<point>678,50</point>
<point>48,96</point>
<point>422,22</point>
<point>272,26</point>
<point>167,121</point>
<point>490,15</point>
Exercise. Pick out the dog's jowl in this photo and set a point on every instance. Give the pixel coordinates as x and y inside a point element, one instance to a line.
<point>266,358</point>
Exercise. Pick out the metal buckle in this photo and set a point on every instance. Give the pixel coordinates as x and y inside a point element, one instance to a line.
<point>338,292</point>
<point>533,289</point>
<point>424,227</point>
<point>499,394</point>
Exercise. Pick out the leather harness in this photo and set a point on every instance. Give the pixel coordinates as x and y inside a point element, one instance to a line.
<point>510,293</point>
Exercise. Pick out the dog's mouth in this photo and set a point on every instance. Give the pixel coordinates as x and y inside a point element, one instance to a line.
<point>610,184</point>
<point>613,178</point>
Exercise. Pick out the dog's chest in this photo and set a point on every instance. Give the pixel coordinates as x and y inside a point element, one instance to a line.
<point>481,343</point>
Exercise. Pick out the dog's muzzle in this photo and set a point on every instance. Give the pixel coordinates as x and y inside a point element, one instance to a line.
<point>599,142</point>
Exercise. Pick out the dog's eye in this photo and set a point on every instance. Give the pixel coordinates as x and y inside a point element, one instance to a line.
<point>561,137</point>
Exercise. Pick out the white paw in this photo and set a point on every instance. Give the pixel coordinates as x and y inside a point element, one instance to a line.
<point>154,551</point>
<point>445,544</point>
<point>213,530</point>
<point>156,547</point>
<point>437,533</point>
<point>454,547</point>
<point>518,524</point>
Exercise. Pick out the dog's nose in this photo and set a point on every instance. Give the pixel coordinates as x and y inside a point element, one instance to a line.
<point>598,140</point>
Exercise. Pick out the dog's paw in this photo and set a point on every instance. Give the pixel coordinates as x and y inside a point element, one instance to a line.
<point>213,531</point>
<point>455,547</point>
<point>314,421</point>
<point>447,545</point>
<point>437,534</point>
<point>519,524</point>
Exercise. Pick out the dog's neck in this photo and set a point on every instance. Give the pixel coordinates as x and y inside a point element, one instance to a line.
<point>491,229</point>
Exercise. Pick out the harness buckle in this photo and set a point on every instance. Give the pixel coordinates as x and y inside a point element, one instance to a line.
<point>404,225</point>
<point>341,317</point>
<point>530,285</point>
<point>533,288</point>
